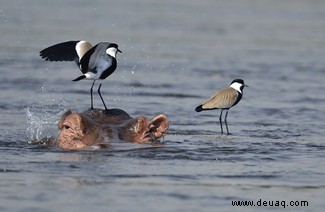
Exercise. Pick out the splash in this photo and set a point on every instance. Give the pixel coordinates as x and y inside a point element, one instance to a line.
<point>43,116</point>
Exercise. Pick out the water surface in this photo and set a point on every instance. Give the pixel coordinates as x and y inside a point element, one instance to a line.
<point>175,56</point>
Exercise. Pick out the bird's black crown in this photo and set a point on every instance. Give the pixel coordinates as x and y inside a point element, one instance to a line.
<point>113,45</point>
<point>238,81</point>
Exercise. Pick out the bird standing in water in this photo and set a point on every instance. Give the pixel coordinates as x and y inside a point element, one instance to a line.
<point>95,62</point>
<point>224,100</point>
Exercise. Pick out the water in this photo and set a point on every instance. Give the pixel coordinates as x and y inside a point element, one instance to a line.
<point>175,55</point>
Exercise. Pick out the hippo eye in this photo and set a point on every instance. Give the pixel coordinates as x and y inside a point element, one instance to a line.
<point>66,127</point>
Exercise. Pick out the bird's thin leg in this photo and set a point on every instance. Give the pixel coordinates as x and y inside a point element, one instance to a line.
<point>91,95</point>
<point>220,121</point>
<point>100,95</point>
<point>226,123</point>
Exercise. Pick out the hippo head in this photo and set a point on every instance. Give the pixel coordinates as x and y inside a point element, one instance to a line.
<point>96,126</point>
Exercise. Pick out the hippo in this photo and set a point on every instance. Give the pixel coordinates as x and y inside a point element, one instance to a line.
<point>95,127</point>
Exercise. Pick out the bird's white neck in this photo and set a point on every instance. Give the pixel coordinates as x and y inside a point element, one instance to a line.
<point>236,86</point>
<point>111,51</point>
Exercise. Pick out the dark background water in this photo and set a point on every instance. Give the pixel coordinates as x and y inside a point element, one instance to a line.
<point>176,54</point>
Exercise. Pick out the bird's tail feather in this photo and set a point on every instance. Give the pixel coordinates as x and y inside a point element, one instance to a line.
<point>79,78</point>
<point>199,108</point>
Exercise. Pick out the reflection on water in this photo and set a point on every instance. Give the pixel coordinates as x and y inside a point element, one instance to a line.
<point>175,54</point>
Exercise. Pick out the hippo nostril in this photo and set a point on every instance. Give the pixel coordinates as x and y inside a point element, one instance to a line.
<point>151,128</point>
<point>150,133</point>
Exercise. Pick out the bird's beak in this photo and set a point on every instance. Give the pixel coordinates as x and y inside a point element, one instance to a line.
<point>119,50</point>
<point>246,85</point>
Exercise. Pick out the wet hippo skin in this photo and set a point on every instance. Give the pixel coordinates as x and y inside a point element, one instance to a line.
<point>96,126</point>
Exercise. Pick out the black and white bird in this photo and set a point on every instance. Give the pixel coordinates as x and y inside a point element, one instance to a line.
<point>224,100</point>
<point>95,62</point>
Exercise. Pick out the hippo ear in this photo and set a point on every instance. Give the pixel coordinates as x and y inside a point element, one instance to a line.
<point>159,126</point>
<point>64,116</point>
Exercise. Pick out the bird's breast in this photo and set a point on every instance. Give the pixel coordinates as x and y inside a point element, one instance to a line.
<point>103,65</point>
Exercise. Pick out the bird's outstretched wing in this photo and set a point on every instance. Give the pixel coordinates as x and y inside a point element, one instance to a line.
<point>65,51</point>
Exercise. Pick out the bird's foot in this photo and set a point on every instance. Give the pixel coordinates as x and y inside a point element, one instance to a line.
<point>106,111</point>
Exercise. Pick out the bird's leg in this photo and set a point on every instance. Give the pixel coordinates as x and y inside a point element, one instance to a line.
<point>100,95</point>
<point>91,96</point>
<point>226,123</point>
<point>220,121</point>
